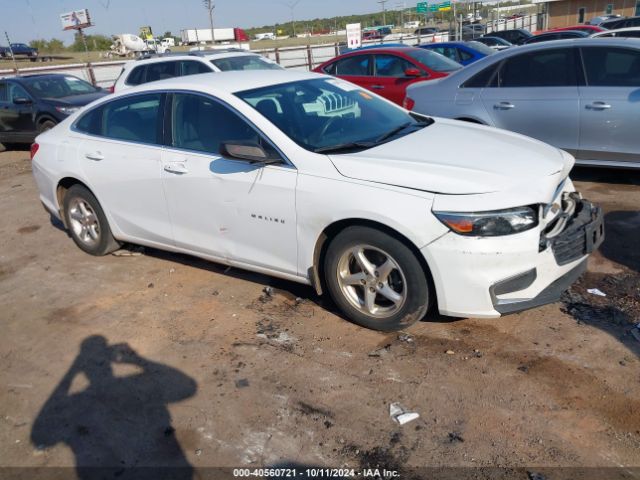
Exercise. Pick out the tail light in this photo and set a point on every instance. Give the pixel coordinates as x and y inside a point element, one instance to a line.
<point>111,89</point>
<point>34,149</point>
<point>408,103</point>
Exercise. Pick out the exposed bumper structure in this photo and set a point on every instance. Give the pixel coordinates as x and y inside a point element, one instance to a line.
<point>493,276</point>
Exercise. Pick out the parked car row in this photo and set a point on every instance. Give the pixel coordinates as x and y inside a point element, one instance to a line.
<point>31,104</point>
<point>310,178</point>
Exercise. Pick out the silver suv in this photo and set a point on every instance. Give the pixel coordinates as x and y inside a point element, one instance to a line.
<point>151,68</point>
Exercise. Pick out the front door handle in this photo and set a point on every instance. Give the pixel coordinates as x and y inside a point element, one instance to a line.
<point>377,87</point>
<point>97,156</point>
<point>178,167</point>
<point>598,106</point>
<point>504,106</point>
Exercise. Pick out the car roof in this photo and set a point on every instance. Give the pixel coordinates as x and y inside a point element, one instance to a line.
<point>615,30</point>
<point>444,44</point>
<point>561,32</point>
<point>463,74</point>
<point>227,82</point>
<point>206,55</point>
<point>37,75</point>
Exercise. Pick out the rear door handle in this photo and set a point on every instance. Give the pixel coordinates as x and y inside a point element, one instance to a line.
<point>598,106</point>
<point>177,167</point>
<point>504,106</point>
<point>97,156</point>
<point>377,87</point>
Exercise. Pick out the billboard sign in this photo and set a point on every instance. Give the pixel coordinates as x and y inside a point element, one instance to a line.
<point>354,35</point>
<point>146,33</point>
<point>75,20</point>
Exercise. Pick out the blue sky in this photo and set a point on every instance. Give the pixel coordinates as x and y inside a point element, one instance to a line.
<point>26,20</point>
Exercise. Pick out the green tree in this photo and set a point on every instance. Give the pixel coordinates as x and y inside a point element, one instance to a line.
<point>95,43</point>
<point>55,46</point>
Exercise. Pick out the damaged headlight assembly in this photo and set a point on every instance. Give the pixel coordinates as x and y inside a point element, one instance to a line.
<point>490,224</point>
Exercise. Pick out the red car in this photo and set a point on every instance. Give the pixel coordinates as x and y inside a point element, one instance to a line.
<point>388,71</point>
<point>582,28</point>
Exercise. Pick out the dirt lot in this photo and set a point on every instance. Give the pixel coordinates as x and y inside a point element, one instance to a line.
<point>163,359</point>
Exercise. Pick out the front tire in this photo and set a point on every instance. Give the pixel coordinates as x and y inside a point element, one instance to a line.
<point>87,222</point>
<point>46,125</point>
<point>376,280</point>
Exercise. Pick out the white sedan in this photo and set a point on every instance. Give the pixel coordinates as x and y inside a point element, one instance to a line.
<point>313,179</point>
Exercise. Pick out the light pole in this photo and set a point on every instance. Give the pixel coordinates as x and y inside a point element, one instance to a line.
<point>209,5</point>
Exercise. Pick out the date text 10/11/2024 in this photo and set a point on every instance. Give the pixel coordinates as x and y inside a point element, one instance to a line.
<point>373,473</point>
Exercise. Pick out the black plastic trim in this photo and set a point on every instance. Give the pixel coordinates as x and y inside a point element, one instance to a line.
<point>550,294</point>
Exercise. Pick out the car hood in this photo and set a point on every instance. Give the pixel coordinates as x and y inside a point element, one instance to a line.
<point>457,158</point>
<point>76,100</point>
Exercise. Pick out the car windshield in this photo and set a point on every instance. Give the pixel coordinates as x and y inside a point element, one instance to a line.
<point>58,86</point>
<point>433,60</point>
<point>482,48</point>
<point>332,115</point>
<point>245,62</point>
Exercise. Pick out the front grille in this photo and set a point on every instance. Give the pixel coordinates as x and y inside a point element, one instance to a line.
<point>583,233</point>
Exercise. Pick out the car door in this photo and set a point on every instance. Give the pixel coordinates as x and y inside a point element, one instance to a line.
<point>7,115</point>
<point>536,94</point>
<point>121,159</point>
<point>230,209</point>
<point>354,68</point>
<point>390,79</point>
<point>610,104</point>
<point>20,112</point>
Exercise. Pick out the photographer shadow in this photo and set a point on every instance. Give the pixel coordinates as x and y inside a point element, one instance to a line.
<point>116,426</point>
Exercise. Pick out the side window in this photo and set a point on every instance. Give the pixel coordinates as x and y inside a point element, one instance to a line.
<point>192,67</point>
<point>16,91</point>
<point>91,122</point>
<point>356,65</point>
<point>134,118</point>
<point>483,78</point>
<point>464,56</point>
<point>136,77</point>
<point>331,68</point>
<point>546,68</point>
<point>391,66</point>
<point>200,123</point>
<point>161,71</point>
<point>611,67</point>
<point>3,92</point>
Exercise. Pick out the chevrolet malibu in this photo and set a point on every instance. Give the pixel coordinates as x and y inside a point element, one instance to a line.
<point>316,180</point>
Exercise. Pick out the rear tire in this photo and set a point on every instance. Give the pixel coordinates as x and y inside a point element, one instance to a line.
<point>87,222</point>
<point>376,280</point>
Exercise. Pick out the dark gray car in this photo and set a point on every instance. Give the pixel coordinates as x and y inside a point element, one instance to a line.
<point>579,95</point>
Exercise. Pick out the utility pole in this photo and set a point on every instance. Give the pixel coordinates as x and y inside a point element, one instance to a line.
<point>292,5</point>
<point>210,6</point>
<point>384,11</point>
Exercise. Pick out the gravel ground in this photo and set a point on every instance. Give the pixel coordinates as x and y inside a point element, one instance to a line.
<point>166,360</point>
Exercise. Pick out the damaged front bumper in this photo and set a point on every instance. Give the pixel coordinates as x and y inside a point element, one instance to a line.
<point>490,277</point>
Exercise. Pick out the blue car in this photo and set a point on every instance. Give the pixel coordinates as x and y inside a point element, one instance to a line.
<point>461,52</point>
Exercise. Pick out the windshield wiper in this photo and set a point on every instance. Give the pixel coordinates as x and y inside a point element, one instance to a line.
<point>345,146</point>
<point>391,133</point>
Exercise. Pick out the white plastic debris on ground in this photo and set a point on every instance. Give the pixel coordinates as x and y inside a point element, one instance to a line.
<point>401,415</point>
<point>595,291</point>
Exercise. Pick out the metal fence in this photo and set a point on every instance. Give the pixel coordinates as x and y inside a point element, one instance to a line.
<point>104,74</point>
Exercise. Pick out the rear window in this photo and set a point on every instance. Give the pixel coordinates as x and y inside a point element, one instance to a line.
<point>245,62</point>
<point>482,48</point>
<point>432,60</point>
<point>612,67</point>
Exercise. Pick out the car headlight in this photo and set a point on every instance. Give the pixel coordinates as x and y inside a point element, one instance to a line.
<point>490,224</point>
<point>67,110</point>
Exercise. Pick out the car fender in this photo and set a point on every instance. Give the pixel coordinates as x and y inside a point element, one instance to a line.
<point>401,210</point>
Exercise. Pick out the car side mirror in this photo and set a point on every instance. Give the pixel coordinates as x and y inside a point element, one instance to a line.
<point>251,151</point>
<point>22,101</point>
<point>412,72</point>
